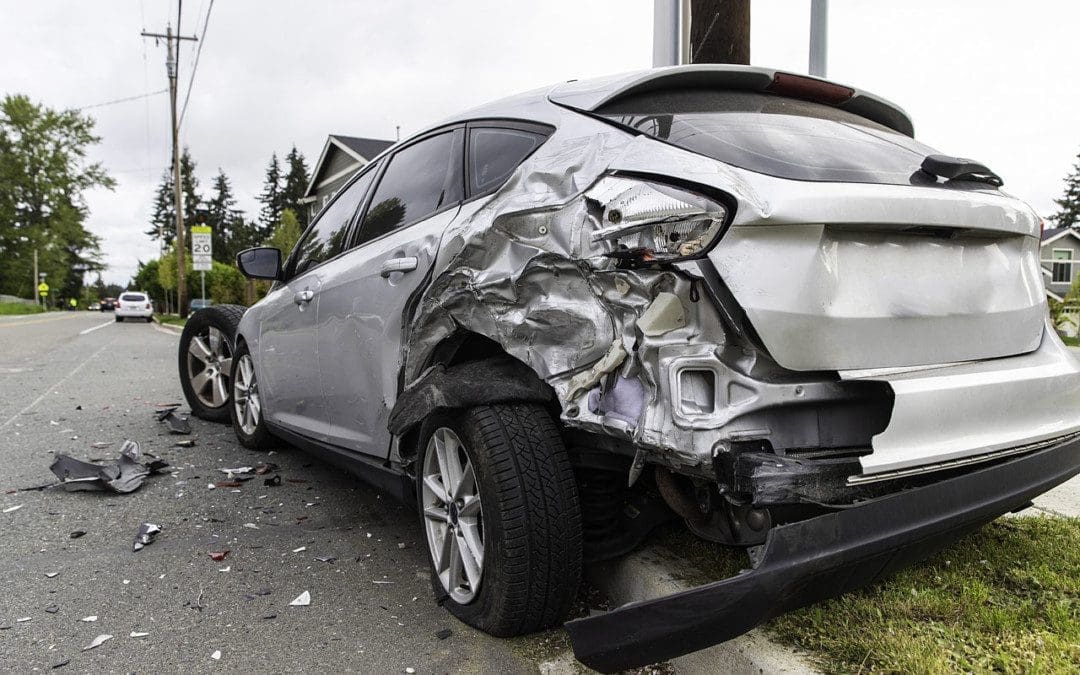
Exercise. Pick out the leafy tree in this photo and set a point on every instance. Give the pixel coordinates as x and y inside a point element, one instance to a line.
<point>272,198</point>
<point>146,279</point>
<point>163,219</point>
<point>296,182</point>
<point>1068,213</point>
<point>44,174</point>
<point>287,233</point>
<point>225,284</point>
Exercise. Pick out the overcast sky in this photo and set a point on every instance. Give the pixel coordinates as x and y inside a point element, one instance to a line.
<point>990,79</point>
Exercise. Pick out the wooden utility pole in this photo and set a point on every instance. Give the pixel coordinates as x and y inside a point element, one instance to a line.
<point>719,31</point>
<point>172,42</point>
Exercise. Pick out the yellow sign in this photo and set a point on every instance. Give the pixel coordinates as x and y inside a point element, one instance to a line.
<point>201,229</point>
<point>43,288</point>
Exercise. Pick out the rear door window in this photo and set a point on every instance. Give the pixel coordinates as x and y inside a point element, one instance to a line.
<point>327,235</point>
<point>494,153</point>
<point>133,297</point>
<point>775,135</point>
<point>420,180</point>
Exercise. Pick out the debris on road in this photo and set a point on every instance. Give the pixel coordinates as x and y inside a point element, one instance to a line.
<point>216,655</point>
<point>61,664</point>
<point>126,475</point>
<point>136,634</point>
<point>51,575</point>
<point>100,444</point>
<point>228,483</point>
<point>443,634</point>
<point>52,609</point>
<point>89,619</point>
<point>185,443</point>
<point>218,556</point>
<point>76,534</point>
<point>302,600</point>
<point>325,558</point>
<point>14,508</point>
<point>24,619</point>
<point>145,535</point>
<point>177,424</point>
<point>272,482</point>
<point>246,473</point>
<point>299,550</point>
<point>98,641</point>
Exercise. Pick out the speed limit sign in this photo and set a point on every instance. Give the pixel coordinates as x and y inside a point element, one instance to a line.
<point>202,248</point>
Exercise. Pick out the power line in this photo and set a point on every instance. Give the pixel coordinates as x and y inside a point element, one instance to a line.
<point>125,99</point>
<point>198,51</point>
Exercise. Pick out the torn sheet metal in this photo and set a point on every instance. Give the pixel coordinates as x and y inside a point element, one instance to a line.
<point>145,536</point>
<point>126,475</point>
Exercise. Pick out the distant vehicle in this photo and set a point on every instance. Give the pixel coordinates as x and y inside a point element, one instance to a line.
<point>199,303</point>
<point>134,306</point>
<point>107,304</point>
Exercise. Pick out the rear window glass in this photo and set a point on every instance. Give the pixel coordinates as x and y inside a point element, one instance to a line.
<point>133,297</point>
<point>775,135</point>
<point>494,153</point>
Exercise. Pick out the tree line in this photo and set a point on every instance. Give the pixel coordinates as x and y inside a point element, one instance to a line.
<point>279,222</point>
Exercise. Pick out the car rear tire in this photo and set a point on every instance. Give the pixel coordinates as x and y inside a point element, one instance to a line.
<point>119,319</point>
<point>512,564</point>
<point>246,408</point>
<point>205,361</point>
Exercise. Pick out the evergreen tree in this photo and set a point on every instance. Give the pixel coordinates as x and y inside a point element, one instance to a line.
<point>230,231</point>
<point>163,219</point>
<point>272,199</point>
<point>1068,213</point>
<point>296,181</point>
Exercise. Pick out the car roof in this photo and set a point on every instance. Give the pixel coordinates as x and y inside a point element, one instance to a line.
<point>591,94</point>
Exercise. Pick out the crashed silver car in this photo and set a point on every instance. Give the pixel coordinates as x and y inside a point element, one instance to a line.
<point>746,297</point>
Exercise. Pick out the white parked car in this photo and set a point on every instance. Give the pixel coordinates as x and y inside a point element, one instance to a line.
<point>134,306</point>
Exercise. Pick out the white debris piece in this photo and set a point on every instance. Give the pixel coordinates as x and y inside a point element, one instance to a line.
<point>251,526</point>
<point>14,508</point>
<point>216,655</point>
<point>299,550</point>
<point>137,634</point>
<point>51,575</point>
<point>302,600</point>
<point>24,619</point>
<point>227,568</point>
<point>98,641</point>
<point>89,619</point>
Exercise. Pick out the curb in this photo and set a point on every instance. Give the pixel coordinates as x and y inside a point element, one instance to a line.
<point>654,572</point>
<point>168,326</point>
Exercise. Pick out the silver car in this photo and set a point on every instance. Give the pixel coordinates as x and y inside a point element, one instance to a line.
<point>745,298</point>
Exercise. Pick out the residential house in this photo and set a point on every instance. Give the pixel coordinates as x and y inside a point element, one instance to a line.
<point>341,158</point>
<point>1060,255</point>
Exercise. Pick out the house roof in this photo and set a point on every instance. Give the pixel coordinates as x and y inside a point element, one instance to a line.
<point>1055,233</point>
<point>368,148</point>
<point>361,149</point>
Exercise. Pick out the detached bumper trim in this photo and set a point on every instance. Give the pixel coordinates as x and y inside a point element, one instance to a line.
<point>819,558</point>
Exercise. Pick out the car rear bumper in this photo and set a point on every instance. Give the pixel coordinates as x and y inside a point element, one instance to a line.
<point>134,313</point>
<point>819,558</point>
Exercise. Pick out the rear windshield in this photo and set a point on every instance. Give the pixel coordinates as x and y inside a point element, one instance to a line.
<point>133,297</point>
<point>775,135</point>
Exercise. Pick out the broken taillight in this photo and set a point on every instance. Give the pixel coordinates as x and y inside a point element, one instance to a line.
<point>653,222</point>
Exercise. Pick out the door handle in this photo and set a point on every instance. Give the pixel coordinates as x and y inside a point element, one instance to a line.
<point>404,264</point>
<point>303,297</point>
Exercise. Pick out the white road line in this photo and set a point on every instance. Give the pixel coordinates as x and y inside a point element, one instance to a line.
<point>91,330</point>
<point>51,389</point>
<point>166,331</point>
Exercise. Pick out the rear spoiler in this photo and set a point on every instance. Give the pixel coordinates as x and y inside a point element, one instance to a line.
<point>590,95</point>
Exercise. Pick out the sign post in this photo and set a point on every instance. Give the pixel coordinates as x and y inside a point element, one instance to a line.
<point>202,252</point>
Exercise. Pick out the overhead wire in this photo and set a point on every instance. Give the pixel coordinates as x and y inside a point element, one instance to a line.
<point>195,67</point>
<point>123,100</point>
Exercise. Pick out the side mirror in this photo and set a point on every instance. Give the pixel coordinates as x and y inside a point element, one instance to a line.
<point>260,263</point>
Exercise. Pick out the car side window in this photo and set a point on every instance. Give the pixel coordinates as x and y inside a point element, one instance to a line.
<point>494,153</point>
<point>327,235</point>
<point>420,180</point>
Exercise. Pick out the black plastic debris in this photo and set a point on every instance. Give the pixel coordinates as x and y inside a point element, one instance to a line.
<point>145,535</point>
<point>77,533</point>
<point>443,634</point>
<point>52,609</point>
<point>177,424</point>
<point>272,482</point>
<point>63,663</point>
<point>126,475</point>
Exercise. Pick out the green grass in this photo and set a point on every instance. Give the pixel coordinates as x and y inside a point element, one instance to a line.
<point>1071,341</point>
<point>9,308</point>
<point>1004,599</point>
<point>171,319</point>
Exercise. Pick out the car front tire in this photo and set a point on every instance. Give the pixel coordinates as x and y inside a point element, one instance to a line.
<point>205,361</point>
<point>499,509</point>
<point>246,409</point>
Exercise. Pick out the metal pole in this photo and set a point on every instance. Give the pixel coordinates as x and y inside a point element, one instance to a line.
<point>666,33</point>
<point>202,275</point>
<point>33,286</point>
<point>819,37</point>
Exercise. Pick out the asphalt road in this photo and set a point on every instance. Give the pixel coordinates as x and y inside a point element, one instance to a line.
<point>68,381</point>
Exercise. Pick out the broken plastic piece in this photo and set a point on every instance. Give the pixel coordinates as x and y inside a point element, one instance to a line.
<point>98,641</point>
<point>76,534</point>
<point>216,655</point>
<point>272,482</point>
<point>443,634</point>
<point>145,535</point>
<point>126,475</point>
<point>186,443</point>
<point>136,634</point>
<point>177,424</point>
<point>14,508</point>
<point>218,556</point>
<point>302,600</point>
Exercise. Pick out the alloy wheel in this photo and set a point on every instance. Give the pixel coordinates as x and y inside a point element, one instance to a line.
<point>246,396</point>
<point>209,361</point>
<point>453,518</point>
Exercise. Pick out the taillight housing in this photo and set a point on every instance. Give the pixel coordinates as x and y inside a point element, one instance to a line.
<point>655,222</point>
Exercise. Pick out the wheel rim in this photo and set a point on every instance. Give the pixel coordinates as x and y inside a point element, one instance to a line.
<point>453,519</point>
<point>246,395</point>
<point>209,361</point>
